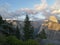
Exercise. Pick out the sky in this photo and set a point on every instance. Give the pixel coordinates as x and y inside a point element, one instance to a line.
<point>36,9</point>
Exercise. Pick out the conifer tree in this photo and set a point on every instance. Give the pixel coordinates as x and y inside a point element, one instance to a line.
<point>1,20</point>
<point>28,29</point>
<point>43,34</point>
<point>17,33</point>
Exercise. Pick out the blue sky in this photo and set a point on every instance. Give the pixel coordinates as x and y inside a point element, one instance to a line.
<point>36,8</point>
<point>16,4</point>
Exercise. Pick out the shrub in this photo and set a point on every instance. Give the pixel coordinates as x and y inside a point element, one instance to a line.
<point>12,40</point>
<point>2,39</point>
<point>50,44</point>
<point>31,42</point>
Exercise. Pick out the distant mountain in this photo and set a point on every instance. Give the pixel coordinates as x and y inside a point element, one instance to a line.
<point>51,34</point>
<point>35,24</point>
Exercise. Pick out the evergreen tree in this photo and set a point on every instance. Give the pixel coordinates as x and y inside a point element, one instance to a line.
<point>1,20</point>
<point>43,34</point>
<point>28,29</point>
<point>8,28</point>
<point>17,33</point>
<point>32,32</point>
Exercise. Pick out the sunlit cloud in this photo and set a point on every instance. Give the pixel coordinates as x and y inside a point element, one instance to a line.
<point>56,5</point>
<point>56,11</point>
<point>42,7</point>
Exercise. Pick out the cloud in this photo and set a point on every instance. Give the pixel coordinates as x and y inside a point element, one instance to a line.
<point>4,10</point>
<point>29,11</point>
<point>54,9</point>
<point>37,9</point>
<point>56,12</point>
<point>43,8</point>
<point>56,5</point>
<point>40,7</point>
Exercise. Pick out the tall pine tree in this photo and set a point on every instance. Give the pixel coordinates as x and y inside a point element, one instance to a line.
<point>28,29</point>
<point>43,34</point>
<point>1,20</point>
<point>17,33</point>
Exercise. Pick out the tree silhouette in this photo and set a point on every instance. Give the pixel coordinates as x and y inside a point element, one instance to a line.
<point>42,34</point>
<point>28,29</point>
<point>1,20</point>
<point>17,33</point>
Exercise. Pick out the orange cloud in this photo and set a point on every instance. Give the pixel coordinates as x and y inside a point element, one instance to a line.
<point>41,6</point>
<point>56,12</point>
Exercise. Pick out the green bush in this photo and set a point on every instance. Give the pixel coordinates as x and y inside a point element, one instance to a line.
<point>12,40</point>
<point>31,42</point>
<point>50,44</point>
<point>2,39</point>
